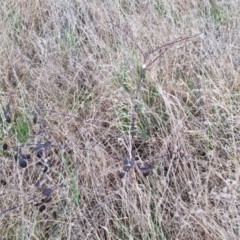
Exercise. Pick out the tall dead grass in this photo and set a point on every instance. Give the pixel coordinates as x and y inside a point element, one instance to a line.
<point>67,57</point>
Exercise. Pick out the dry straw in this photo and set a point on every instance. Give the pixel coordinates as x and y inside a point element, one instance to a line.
<point>119,129</point>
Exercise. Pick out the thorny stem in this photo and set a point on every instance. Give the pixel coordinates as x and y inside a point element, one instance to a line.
<point>134,112</point>
<point>141,79</point>
<point>201,101</point>
<point>130,37</point>
<point>172,43</point>
<point>145,66</point>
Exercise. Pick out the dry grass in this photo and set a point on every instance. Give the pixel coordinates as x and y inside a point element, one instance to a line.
<point>65,56</point>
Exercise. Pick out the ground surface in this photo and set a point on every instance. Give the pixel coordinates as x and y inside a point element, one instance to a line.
<point>74,67</point>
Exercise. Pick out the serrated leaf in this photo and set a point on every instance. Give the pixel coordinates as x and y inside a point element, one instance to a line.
<point>38,150</point>
<point>35,113</point>
<point>7,114</point>
<point>121,174</point>
<point>146,169</point>
<point>128,163</point>
<point>45,169</point>
<point>3,182</point>
<point>47,192</point>
<point>42,208</point>
<point>22,163</point>
<point>37,184</point>
<point>5,146</point>
<point>20,158</point>
<point>35,117</point>
<point>39,153</point>
<point>47,144</point>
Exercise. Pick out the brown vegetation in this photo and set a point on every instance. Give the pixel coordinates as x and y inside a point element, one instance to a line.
<point>69,71</point>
